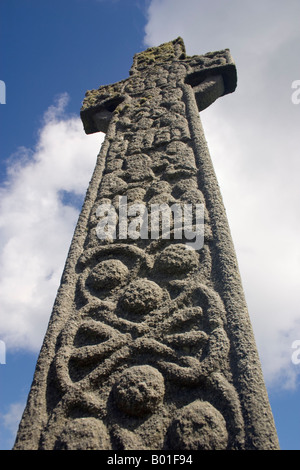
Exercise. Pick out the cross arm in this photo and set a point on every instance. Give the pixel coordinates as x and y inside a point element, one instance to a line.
<point>98,107</point>
<point>211,75</point>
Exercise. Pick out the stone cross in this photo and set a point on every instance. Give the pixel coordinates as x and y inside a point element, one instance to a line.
<point>149,346</point>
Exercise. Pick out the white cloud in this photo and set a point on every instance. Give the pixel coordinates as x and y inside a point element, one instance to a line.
<point>267,24</point>
<point>253,137</point>
<point>263,214</point>
<point>36,223</point>
<point>10,422</point>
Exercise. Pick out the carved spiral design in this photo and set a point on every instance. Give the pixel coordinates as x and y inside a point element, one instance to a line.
<point>147,335</point>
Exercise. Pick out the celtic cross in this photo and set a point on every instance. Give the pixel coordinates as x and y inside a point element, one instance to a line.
<point>150,346</point>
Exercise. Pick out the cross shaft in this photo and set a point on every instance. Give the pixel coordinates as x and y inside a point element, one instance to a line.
<point>150,345</point>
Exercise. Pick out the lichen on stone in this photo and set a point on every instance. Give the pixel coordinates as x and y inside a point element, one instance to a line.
<point>162,53</point>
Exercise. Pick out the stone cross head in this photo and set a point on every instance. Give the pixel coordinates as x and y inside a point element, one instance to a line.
<point>211,76</point>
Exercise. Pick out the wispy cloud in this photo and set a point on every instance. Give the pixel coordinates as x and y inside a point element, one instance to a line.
<point>37,221</point>
<point>9,423</point>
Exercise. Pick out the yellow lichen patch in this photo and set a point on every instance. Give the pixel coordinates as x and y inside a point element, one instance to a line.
<point>162,53</point>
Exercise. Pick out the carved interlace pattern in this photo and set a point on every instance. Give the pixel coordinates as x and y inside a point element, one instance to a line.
<point>144,361</point>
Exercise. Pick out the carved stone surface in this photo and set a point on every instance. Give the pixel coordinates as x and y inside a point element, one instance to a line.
<point>149,345</point>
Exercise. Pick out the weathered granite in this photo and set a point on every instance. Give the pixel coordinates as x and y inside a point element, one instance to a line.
<point>149,345</point>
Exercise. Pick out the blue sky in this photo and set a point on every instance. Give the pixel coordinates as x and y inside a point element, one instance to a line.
<point>51,52</point>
